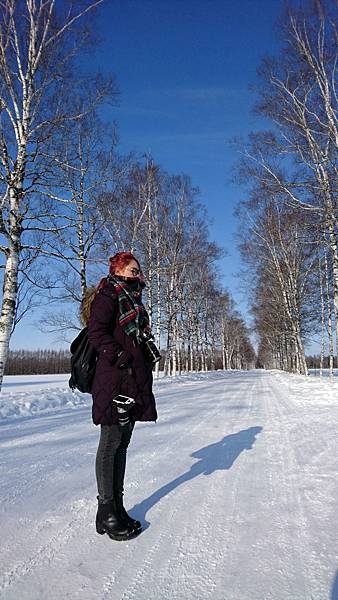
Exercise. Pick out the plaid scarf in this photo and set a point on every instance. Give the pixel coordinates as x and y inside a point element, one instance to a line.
<point>133,316</point>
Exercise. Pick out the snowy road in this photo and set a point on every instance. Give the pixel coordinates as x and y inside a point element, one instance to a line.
<point>237,486</point>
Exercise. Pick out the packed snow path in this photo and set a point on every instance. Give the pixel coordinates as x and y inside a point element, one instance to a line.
<point>236,485</point>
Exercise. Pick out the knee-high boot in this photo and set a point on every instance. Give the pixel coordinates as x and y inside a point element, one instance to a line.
<point>119,472</point>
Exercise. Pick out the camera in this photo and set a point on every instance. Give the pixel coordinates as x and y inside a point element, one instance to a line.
<point>146,341</point>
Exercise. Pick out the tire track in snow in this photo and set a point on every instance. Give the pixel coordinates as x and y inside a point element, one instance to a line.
<point>38,473</point>
<point>314,588</point>
<point>216,592</point>
<point>290,570</point>
<point>51,547</point>
<point>174,581</point>
<point>200,556</point>
<point>47,551</point>
<point>285,556</point>
<point>146,568</point>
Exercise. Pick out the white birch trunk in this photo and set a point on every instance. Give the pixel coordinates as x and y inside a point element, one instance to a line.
<point>174,350</point>
<point>223,353</point>
<point>10,287</point>
<point>158,316</point>
<point>322,346</point>
<point>150,257</point>
<point>10,284</point>
<point>329,316</point>
<point>81,245</point>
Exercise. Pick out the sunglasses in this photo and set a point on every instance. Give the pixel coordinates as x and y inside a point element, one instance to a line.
<point>134,271</point>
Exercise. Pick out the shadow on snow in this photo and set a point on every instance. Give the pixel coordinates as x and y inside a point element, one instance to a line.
<point>334,592</point>
<point>215,457</point>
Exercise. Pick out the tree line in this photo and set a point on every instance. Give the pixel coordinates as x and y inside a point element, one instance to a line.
<point>318,363</point>
<point>69,199</point>
<point>289,218</point>
<point>37,362</point>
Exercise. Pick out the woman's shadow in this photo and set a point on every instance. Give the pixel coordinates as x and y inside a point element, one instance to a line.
<point>334,592</point>
<point>218,456</point>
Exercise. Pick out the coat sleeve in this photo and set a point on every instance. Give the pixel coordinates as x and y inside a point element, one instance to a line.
<point>100,327</point>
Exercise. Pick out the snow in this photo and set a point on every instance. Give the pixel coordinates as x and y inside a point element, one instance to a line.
<point>32,394</point>
<point>236,486</point>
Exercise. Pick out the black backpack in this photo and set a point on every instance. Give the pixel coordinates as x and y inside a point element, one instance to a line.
<point>83,363</point>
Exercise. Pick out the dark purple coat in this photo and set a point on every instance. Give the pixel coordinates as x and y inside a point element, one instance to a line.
<point>108,338</point>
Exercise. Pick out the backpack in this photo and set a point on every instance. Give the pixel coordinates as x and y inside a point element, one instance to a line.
<point>83,362</point>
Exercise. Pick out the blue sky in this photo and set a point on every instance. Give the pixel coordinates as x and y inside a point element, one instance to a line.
<point>183,68</point>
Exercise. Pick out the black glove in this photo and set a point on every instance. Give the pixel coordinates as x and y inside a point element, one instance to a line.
<point>124,359</point>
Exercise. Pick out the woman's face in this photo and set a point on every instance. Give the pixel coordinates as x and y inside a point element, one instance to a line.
<point>130,270</point>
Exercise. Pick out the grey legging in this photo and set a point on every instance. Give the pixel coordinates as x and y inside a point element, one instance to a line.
<point>110,463</point>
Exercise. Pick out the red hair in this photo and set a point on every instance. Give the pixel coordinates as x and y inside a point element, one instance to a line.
<point>119,261</point>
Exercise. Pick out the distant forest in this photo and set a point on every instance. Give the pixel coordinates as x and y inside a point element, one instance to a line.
<point>313,362</point>
<point>37,362</point>
<point>43,362</point>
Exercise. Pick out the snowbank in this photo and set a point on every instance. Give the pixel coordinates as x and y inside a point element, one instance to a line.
<point>28,395</point>
<point>24,404</point>
<point>309,390</point>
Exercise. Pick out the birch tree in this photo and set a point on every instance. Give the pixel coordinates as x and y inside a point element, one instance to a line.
<point>83,175</point>
<point>274,245</point>
<point>38,41</point>
<point>296,162</point>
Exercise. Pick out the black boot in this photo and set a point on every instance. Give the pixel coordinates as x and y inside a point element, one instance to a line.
<point>123,515</point>
<point>107,521</point>
<point>119,471</point>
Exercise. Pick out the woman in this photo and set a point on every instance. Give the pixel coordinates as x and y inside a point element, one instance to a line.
<point>117,323</point>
